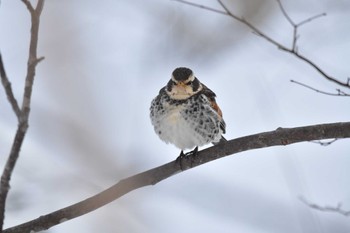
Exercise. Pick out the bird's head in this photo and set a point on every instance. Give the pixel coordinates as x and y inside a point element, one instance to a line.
<point>183,84</point>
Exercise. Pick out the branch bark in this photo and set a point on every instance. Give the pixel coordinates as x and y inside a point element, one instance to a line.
<point>23,113</point>
<point>279,137</point>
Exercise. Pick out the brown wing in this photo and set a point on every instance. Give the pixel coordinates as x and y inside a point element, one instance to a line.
<point>211,96</point>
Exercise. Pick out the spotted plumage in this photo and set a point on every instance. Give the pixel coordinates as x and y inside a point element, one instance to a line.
<point>185,112</point>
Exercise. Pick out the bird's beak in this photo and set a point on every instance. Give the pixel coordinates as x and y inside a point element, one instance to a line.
<point>179,91</point>
<point>182,87</point>
<point>181,84</point>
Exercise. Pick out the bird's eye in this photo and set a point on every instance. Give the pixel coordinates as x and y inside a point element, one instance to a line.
<point>189,83</point>
<point>174,83</point>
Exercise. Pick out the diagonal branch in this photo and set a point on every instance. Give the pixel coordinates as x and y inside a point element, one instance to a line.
<point>292,49</point>
<point>7,86</point>
<point>24,112</point>
<point>322,72</point>
<point>279,137</point>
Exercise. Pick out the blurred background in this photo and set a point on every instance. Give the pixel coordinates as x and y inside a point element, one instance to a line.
<point>89,125</point>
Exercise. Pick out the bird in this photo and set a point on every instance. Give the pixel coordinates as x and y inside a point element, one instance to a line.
<point>186,114</point>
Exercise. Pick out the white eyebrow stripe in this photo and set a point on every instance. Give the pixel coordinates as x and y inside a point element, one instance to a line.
<point>173,79</point>
<point>192,77</point>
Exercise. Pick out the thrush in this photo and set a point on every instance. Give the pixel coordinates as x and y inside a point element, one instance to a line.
<point>185,113</point>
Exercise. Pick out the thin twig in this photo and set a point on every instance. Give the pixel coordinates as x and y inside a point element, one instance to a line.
<point>308,20</point>
<point>291,22</point>
<point>296,25</point>
<point>321,71</point>
<point>319,91</point>
<point>279,137</point>
<point>23,119</point>
<point>340,92</point>
<point>284,12</point>
<point>338,209</point>
<point>9,93</point>
<point>325,143</point>
<point>202,6</point>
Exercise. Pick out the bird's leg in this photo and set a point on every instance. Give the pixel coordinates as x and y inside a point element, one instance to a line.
<point>179,159</point>
<point>193,153</point>
<point>182,156</point>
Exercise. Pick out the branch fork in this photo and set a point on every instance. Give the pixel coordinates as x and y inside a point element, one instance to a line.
<point>22,114</point>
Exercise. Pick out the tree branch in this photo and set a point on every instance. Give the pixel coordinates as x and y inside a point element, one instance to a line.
<point>296,25</point>
<point>7,86</point>
<point>292,50</point>
<point>338,209</point>
<point>22,114</point>
<point>340,93</point>
<point>33,60</point>
<point>322,72</point>
<point>279,137</point>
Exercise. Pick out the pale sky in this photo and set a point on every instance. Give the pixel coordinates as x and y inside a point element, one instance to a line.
<point>89,125</point>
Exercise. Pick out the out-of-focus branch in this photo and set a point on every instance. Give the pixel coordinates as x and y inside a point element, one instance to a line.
<point>339,92</point>
<point>279,137</point>
<point>322,72</point>
<point>7,86</point>
<point>293,49</point>
<point>338,209</point>
<point>22,114</point>
<point>296,25</point>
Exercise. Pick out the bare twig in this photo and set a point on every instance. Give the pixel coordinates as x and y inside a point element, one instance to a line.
<point>279,137</point>
<point>201,6</point>
<point>338,209</point>
<point>340,93</point>
<point>296,25</point>
<point>294,47</point>
<point>322,143</point>
<point>24,112</point>
<point>321,71</point>
<point>29,6</point>
<point>284,12</point>
<point>308,20</point>
<point>7,85</point>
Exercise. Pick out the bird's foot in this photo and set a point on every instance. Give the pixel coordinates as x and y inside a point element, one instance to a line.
<point>191,154</point>
<point>180,157</point>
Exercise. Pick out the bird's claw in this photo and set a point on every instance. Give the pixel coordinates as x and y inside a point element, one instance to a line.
<point>190,154</point>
